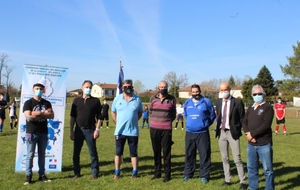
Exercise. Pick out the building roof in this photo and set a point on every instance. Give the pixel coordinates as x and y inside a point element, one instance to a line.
<point>107,86</point>
<point>148,93</point>
<point>76,90</point>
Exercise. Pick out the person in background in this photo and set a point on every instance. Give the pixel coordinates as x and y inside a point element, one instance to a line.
<point>105,108</point>
<point>13,118</point>
<point>162,112</point>
<point>200,114</point>
<point>231,113</point>
<point>3,106</point>
<point>257,127</point>
<point>37,110</point>
<point>179,110</point>
<point>279,108</point>
<point>126,110</point>
<point>145,117</point>
<point>86,117</point>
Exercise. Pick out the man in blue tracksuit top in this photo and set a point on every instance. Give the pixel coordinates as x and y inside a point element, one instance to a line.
<point>200,114</point>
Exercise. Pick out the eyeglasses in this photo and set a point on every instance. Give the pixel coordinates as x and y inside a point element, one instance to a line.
<point>255,94</point>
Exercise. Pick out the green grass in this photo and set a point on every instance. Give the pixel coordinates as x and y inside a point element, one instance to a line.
<point>286,163</point>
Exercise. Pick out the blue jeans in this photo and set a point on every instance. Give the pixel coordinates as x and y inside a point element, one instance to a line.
<point>265,154</point>
<point>88,136</point>
<point>41,141</point>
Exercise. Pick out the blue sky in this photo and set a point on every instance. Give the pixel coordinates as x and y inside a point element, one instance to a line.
<point>205,39</point>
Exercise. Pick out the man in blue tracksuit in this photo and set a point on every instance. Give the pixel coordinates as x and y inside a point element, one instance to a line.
<point>200,114</point>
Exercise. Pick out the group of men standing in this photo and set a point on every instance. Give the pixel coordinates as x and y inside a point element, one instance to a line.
<point>199,112</point>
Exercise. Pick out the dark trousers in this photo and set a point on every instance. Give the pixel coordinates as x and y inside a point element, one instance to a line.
<point>200,142</point>
<point>88,136</point>
<point>161,141</point>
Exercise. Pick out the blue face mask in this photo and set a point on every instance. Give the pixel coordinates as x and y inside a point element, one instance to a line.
<point>87,91</point>
<point>38,93</point>
<point>258,98</point>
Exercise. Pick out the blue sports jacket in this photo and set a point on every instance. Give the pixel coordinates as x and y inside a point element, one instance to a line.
<point>199,115</point>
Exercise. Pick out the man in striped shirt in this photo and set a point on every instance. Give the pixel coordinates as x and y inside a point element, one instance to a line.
<point>162,113</point>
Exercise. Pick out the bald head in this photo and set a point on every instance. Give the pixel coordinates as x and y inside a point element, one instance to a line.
<point>224,86</point>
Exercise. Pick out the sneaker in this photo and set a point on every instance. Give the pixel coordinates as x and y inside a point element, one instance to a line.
<point>156,176</point>
<point>76,176</point>
<point>175,128</point>
<point>204,180</point>
<point>94,177</point>
<point>185,179</point>
<point>243,186</point>
<point>276,132</point>
<point>133,176</point>
<point>44,179</point>
<point>27,180</point>
<point>226,184</point>
<point>116,177</point>
<point>181,128</point>
<point>166,179</point>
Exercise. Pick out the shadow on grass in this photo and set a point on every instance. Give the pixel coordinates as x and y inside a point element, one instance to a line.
<point>281,171</point>
<point>296,133</point>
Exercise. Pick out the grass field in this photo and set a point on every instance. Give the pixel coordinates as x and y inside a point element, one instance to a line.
<point>286,163</point>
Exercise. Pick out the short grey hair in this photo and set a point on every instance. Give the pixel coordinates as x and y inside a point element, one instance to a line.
<point>163,81</point>
<point>258,86</point>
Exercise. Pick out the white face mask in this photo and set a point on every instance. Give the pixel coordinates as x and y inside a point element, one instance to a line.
<point>224,94</point>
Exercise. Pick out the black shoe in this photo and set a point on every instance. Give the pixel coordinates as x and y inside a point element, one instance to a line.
<point>76,176</point>
<point>28,180</point>
<point>166,179</point>
<point>156,177</point>
<point>94,177</point>
<point>243,186</point>
<point>44,179</point>
<point>226,184</point>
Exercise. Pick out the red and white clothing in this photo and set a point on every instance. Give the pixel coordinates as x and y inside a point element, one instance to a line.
<point>279,110</point>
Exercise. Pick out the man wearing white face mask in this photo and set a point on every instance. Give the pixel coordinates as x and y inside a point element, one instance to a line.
<point>85,112</point>
<point>230,112</point>
<point>37,110</point>
<point>257,127</point>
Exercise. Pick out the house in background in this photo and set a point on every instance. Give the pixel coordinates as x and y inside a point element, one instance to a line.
<point>104,90</point>
<point>74,93</point>
<point>236,92</point>
<point>147,93</point>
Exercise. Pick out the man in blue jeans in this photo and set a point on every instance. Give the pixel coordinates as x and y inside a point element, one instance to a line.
<point>85,112</point>
<point>257,127</point>
<point>37,110</point>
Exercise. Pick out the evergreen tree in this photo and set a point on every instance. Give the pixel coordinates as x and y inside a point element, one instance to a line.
<point>247,90</point>
<point>265,79</point>
<point>291,86</point>
<point>231,81</point>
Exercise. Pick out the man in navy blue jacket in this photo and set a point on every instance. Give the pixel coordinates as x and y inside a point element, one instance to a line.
<point>200,114</point>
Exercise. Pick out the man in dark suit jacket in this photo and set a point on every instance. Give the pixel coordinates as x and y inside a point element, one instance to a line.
<point>230,113</point>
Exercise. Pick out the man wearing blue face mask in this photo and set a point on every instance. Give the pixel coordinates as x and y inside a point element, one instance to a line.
<point>230,112</point>
<point>37,110</point>
<point>86,117</point>
<point>257,127</point>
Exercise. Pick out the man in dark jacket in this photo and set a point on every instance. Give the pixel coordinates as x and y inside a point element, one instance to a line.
<point>230,112</point>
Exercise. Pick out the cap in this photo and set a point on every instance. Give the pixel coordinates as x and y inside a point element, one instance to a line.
<point>38,84</point>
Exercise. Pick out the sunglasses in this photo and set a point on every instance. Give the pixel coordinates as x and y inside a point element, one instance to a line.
<point>255,94</point>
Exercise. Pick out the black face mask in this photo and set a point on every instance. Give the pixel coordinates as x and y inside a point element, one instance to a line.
<point>196,96</point>
<point>164,91</point>
<point>128,90</point>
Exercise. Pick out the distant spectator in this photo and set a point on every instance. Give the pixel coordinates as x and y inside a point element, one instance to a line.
<point>279,108</point>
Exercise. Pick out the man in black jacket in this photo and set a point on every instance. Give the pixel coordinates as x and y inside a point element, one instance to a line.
<point>230,113</point>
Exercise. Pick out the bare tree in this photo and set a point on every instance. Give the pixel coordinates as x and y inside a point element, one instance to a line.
<point>138,86</point>
<point>176,82</point>
<point>8,70</point>
<point>3,63</point>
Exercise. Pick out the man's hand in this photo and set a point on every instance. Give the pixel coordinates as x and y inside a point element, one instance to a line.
<point>250,138</point>
<point>72,135</point>
<point>96,134</point>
